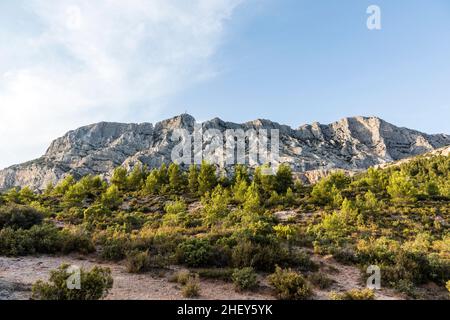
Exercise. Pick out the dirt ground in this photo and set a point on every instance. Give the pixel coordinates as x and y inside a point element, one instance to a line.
<point>18,274</point>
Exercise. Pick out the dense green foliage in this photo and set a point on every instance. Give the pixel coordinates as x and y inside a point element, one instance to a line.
<point>396,218</point>
<point>94,285</point>
<point>290,285</point>
<point>19,217</point>
<point>245,279</point>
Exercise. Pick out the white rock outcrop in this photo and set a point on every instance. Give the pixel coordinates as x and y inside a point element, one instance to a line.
<point>350,144</point>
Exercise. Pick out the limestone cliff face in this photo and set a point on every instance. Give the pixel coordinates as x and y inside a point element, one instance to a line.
<point>350,144</point>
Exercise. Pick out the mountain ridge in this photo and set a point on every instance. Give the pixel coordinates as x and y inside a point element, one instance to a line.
<point>351,144</point>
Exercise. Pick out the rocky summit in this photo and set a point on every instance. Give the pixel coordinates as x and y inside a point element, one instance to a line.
<point>312,150</point>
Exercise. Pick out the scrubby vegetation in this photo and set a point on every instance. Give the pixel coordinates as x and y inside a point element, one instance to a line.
<point>320,280</point>
<point>290,285</point>
<point>190,283</point>
<point>138,261</point>
<point>245,279</point>
<point>396,218</point>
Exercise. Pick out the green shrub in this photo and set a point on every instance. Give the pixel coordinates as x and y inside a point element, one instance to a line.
<point>195,252</point>
<point>415,267</point>
<point>354,294</point>
<point>407,287</point>
<point>97,217</point>
<point>265,257</point>
<point>114,249</point>
<point>320,280</point>
<point>137,261</point>
<point>215,206</point>
<point>19,217</point>
<point>15,242</point>
<point>243,254</point>
<point>46,238</point>
<point>245,279</point>
<point>207,179</point>
<point>220,256</point>
<point>301,260</point>
<point>76,240</point>
<point>111,198</point>
<point>192,287</point>
<point>289,285</point>
<point>400,188</point>
<point>176,214</point>
<point>94,285</point>
<point>438,268</point>
<point>284,179</point>
<point>345,255</point>
<point>327,190</point>
<point>160,261</point>
<point>73,216</point>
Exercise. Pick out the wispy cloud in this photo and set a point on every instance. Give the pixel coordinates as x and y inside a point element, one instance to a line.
<point>68,63</point>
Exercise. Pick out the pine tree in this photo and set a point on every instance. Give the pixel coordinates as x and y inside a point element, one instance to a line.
<point>64,185</point>
<point>252,202</point>
<point>370,201</point>
<point>26,196</point>
<point>284,179</point>
<point>267,182</point>
<point>111,199</point>
<point>207,179</point>
<point>12,196</point>
<point>92,186</point>
<point>216,205</point>
<point>336,196</point>
<point>432,189</point>
<point>151,183</point>
<point>49,189</point>
<point>289,197</point>
<point>400,188</point>
<point>275,199</point>
<point>376,180</point>
<point>136,178</point>
<point>176,214</point>
<point>298,186</point>
<point>239,190</point>
<point>74,196</point>
<point>163,176</point>
<point>119,178</point>
<point>240,174</point>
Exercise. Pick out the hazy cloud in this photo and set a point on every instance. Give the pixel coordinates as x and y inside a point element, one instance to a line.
<point>69,63</point>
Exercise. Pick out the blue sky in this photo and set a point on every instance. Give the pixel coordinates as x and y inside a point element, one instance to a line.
<point>301,61</point>
<point>64,64</point>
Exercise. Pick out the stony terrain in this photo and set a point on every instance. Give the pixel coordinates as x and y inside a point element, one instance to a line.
<point>18,274</point>
<point>313,150</point>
